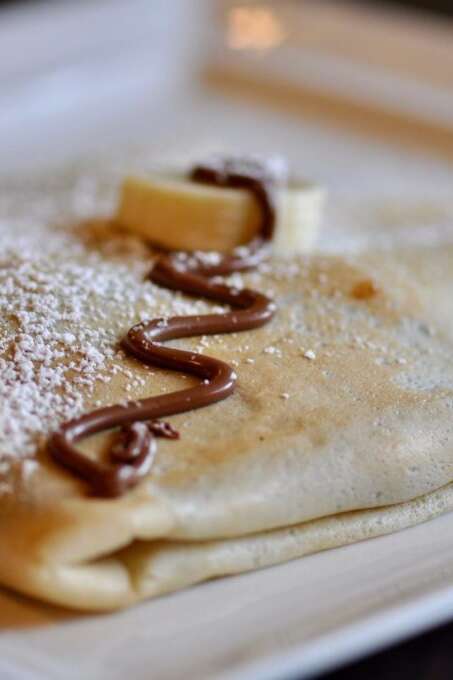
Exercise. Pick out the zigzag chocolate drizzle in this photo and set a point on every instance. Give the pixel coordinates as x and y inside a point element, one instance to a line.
<point>131,457</point>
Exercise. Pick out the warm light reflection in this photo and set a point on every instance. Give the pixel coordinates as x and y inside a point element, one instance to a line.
<point>253,28</point>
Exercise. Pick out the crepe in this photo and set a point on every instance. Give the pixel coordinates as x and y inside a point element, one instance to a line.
<point>340,429</point>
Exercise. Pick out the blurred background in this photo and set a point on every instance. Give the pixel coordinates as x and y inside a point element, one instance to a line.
<point>351,92</point>
<point>71,70</point>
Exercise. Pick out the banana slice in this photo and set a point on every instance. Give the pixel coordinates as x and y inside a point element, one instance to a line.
<point>178,214</point>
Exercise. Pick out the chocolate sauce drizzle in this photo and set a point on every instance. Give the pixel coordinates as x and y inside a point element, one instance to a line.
<point>131,456</point>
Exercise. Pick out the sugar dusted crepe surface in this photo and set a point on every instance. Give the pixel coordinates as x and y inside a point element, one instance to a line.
<point>342,404</point>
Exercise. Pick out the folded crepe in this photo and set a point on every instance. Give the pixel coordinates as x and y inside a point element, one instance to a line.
<point>340,428</point>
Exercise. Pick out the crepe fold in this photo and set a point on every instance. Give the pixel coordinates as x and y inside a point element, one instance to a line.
<point>306,455</point>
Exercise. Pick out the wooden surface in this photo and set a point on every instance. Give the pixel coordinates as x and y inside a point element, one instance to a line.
<point>426,657</point>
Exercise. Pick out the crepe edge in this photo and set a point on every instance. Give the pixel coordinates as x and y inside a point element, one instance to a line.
<point>147,568</point>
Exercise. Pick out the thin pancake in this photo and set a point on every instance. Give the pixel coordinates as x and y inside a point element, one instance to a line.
<point>365,424</point>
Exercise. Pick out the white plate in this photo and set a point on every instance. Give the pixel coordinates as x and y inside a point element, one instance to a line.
<point>298,618</point>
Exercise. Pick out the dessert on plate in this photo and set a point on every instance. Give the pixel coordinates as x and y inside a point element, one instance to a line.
<point>188,392</point>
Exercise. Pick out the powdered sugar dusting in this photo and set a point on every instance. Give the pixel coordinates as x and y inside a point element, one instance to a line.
<point>64,307</point>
